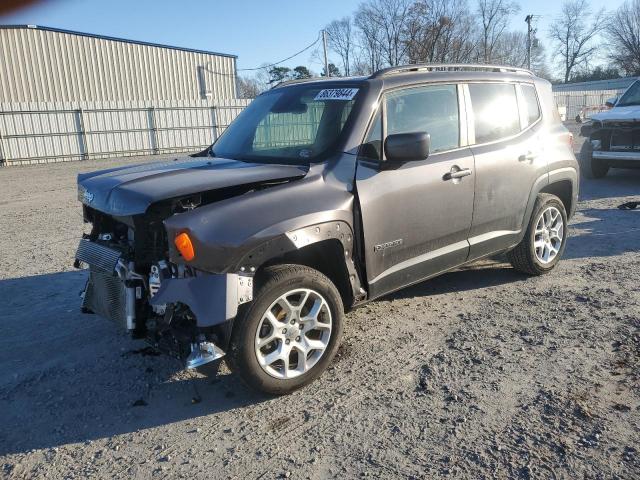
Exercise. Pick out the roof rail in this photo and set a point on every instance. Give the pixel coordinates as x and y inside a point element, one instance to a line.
<point>444,67</point>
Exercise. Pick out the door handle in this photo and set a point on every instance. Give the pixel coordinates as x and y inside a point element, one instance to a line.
<point>527,157</point>
<point>457,174</point>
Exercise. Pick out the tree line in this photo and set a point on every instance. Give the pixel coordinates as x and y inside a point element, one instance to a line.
<point>383,33</point>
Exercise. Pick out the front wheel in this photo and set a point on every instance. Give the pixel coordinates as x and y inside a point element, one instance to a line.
<point>291,331</point>
<point>591,167</point>
<point>545,240</point>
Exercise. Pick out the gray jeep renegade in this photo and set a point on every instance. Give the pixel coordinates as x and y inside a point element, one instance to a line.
<point>321,196</point>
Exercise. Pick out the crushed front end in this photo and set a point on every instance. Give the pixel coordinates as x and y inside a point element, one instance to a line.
<point>178,309</point>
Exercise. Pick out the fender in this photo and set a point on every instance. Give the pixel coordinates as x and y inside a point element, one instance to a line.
<point>303,237</point>
<point>239,234</point>
<point>553,176</point>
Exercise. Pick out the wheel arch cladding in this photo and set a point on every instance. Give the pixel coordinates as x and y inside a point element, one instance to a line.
<point>563,183</point>
<point>326,247</point>
<point>563,189</point>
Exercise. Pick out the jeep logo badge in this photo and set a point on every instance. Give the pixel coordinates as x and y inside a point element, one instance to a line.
<point>87,197</point>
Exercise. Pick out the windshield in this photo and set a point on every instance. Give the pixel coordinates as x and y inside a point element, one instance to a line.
<point>289,125</point>
<point>631,96</point>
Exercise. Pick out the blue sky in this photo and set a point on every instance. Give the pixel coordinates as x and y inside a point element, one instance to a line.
<point>257,31</point>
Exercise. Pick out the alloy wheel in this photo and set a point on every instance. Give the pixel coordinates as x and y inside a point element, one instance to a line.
<point>293,333</point>
<point>549,235</point>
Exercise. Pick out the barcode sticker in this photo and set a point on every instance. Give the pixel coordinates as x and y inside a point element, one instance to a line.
<point>336,94</point>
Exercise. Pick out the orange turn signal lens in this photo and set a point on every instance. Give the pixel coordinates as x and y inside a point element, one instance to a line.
<point>184,246</point>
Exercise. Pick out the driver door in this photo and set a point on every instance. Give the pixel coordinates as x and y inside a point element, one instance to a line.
<point>416,217</point>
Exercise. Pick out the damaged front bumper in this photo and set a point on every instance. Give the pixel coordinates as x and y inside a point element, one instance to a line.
<point>213,298</point>
<point>114,287</point>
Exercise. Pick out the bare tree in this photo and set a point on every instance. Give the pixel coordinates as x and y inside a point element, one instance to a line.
<point>573,34</point>
<point>383,22</point>
<point>494,18</point>
<point>511,49</point>
<point>369,36</point>
<point>341,41</point>
<point>539,64</point>
<point>623,33</point>
<point>248,87</point>
<point>439,31</point>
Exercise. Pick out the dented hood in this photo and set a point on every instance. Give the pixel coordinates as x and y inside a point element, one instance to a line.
<point>131,190</point>
<point>619,114</point>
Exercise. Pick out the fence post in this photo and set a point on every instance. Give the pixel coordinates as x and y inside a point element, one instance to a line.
<point>153,131</point>
<point>84,148</point>
<point>214,123</point>
<point>3,157</point>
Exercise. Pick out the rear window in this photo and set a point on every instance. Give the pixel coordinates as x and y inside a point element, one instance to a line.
<point>530,104</point>
<point>495,110</point>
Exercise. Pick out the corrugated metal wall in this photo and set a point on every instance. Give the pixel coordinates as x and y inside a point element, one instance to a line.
<point>62,131</point>
<point>44,65</point>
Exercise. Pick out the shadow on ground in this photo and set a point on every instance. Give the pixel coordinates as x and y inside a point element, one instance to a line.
<point>603,232</point>
<point>619,182</point>
<point>66,377</point>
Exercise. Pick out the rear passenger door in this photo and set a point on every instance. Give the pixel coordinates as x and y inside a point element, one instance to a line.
<point>415,215</point>
<point>504,133</point>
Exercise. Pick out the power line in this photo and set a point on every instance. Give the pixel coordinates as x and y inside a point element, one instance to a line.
<point>284,60</point>
<point>223,74</point>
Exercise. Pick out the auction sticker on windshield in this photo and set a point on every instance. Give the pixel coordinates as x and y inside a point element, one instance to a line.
<point>336,94</point>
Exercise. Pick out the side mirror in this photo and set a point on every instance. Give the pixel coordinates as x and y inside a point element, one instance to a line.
<point>404,147</point>
<point>611,102</point>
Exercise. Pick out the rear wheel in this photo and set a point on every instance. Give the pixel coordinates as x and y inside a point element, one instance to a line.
<point>289,334</point>
<point>545,240</point>
<point>591,167</point>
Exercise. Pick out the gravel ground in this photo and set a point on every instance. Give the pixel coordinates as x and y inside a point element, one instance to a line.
<point>480,373</point>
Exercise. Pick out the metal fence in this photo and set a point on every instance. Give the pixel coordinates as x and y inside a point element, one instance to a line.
<point>61,131</point>
<point>43,133</point>
<point>576,101</point>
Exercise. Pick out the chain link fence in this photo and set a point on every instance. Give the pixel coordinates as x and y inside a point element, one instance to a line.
<point>583,103</point>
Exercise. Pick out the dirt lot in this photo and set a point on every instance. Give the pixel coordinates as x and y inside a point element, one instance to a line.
<point>481,373</point>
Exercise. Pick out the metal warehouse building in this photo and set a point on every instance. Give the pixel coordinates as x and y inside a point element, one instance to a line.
<point>75,96</point>
<point>41,64</point>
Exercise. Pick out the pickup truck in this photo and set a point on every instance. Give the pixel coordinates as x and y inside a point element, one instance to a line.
<point>613,137</point>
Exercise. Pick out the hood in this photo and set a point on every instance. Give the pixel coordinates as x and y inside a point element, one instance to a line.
<point>131,190</point>
<point>619,114</point>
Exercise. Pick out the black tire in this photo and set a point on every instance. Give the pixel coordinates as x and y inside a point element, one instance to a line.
<point>523,257</point>
<point>272,283</point>
<point>591,167</point>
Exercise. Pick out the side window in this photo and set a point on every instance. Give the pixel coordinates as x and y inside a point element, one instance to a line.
<point>530,103</point>
<point>432,109</point>
<point>495,111</point>
<point>372,146</point>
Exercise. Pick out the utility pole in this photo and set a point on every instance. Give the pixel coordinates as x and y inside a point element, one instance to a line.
<point>528,19</point>
<point>326,61</point>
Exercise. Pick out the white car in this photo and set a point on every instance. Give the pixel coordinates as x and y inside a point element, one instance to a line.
<point>614,136</point>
